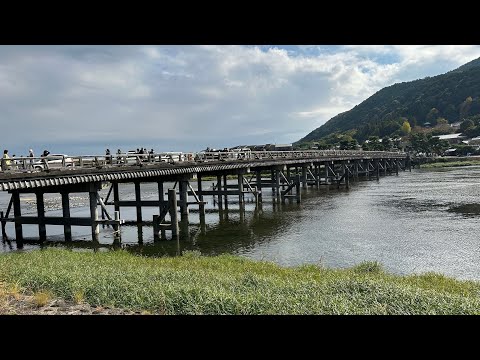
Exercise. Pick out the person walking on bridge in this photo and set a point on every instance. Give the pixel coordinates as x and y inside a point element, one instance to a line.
<point>31,155</point>
<point>6,162</point>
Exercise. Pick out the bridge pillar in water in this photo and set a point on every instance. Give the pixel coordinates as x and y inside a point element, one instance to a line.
<point>277,182</point>
<point>172,205</point>
<point>161,197</point>
<point>219,189</point>
<point>355,169</point>
<point>201,206</point>
<point>17,212</point>
<point>225,189</point>
<point>297,188</point>
<point>317,175</point>
<point>304,176</point>
<point>94,187</point>
<point>259,184</point>
<point>116,197</point>
<point>183,190</point>
<point>42,231</point>
<point>138,200</point>
<point>272,177</point>
<point>325,165</point>
<point>240,190</point>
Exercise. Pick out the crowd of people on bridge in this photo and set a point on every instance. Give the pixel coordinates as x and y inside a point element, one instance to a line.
<point>143,153</point>
<point>12,162</point>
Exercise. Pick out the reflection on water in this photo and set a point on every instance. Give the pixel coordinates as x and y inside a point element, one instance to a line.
<point>421,221</point>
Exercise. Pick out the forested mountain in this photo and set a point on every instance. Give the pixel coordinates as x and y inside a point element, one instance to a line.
<point>453,96</point>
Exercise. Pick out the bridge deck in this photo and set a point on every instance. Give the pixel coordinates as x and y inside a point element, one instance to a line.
<point>22,176</point>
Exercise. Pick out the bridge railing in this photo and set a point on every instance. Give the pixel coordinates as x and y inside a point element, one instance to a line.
<point>265,155</point>
<point>34,164</point>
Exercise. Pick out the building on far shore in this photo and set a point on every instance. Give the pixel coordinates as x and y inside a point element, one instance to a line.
<point>452,138</point>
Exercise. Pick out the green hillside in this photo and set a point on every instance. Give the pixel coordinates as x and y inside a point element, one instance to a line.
<point>453,96</point>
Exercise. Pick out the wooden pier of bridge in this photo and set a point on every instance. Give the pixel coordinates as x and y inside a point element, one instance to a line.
<point>284,172</point>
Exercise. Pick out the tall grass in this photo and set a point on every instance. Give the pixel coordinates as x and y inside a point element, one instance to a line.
<point>228,284</point>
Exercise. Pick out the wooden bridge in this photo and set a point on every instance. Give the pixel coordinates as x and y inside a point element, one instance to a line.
<point>285,172</point>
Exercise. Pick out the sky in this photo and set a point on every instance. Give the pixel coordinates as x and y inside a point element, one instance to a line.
<point>80,100</point>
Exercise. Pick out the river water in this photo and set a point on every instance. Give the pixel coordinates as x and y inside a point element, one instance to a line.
<point>419,221</point>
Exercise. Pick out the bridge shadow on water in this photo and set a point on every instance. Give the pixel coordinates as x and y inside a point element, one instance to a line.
<point>225,229</point>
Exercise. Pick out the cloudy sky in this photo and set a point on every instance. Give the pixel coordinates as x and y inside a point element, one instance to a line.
<point>83,99</point>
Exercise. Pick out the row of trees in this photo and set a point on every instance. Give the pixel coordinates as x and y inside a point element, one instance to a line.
<point>427,144</point>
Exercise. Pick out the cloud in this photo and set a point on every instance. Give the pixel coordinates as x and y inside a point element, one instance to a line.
<point>190,97</point>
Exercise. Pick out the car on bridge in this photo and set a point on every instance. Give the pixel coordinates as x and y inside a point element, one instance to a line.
<point>53,161</point>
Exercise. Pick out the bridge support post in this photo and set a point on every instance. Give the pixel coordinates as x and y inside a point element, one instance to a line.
<point>325,164</point>
<point>277,182</point>
<point>139,202</point>
<point>225,188</point>
<point>17,212</point>
<point>377,168</point>
<point>346,174</point>
<point>116,228</point>
<point>183,189</point>
<point>355,170</point>
<point>172,204</point>
<point>42,231</point>
<point>396,166</point>
<point>201,206</point>
<point>259,185</point>
<point>297,189</point>
<point>161,199</point>
<point>116,197</point>
<point>219,189</point>
<point>317,176</point>
<point>304,176</point>
<point>4,233</point>
<point>240,191</point>
<point>385,167</point>
<point>94,211</point>
<point>272,173</point>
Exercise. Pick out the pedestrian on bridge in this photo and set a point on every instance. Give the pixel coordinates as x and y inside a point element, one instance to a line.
<point>31,155</point>
<point>6,162</point>
<point>108,157</point>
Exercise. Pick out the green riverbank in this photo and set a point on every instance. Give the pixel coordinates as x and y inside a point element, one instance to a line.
<point>450,164</point>
<point>226,284</point>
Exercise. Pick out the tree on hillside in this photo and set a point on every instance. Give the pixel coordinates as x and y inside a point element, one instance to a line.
<point>348,143</point>
<point>467,124</point>
<point>419,143</point>
<point>436,146</point>
<point>386,143</point>
<point>406,128</point>
<point>432,116</point>
<point>373,144</point>
<point>465,107</point>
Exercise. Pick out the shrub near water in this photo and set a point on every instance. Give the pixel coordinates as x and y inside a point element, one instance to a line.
<point>232,285</point>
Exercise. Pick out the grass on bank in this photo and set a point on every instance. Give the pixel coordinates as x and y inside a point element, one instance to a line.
<point>450,164</point>
<point>227,284</point>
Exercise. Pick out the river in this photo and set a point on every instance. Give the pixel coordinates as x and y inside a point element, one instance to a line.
<point>419,221</point>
